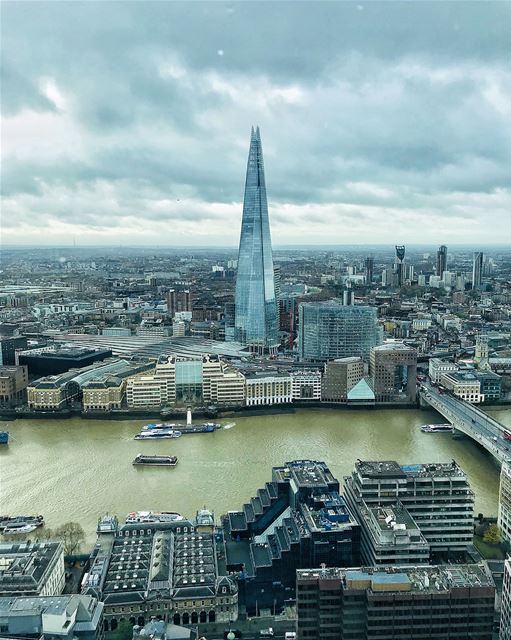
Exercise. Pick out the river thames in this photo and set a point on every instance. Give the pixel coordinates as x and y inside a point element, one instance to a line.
<point>81,469</point>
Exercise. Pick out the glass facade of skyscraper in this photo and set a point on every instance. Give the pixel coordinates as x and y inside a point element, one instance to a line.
<point>330,330</point>
<point>256,321</point>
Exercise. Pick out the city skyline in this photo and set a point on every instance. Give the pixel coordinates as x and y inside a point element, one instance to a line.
<point>368,128</point>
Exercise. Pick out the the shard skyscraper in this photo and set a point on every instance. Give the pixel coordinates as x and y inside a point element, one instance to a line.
<point>256,323</point>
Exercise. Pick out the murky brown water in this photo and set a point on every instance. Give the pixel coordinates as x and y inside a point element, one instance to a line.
<point>80,469</point>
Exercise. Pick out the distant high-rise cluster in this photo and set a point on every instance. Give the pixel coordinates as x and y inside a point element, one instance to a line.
<point>256,322</point>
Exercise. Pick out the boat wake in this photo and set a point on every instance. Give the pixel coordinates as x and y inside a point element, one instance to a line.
<point>230,425</point>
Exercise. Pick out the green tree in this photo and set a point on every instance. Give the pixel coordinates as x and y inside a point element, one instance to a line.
<point>123,632</point>
<point>72,537</point>
<point>492,534</point>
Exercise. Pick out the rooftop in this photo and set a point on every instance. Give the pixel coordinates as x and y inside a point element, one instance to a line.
<point>305,473</point>
<point>423,579</point>
<point>392,469</point>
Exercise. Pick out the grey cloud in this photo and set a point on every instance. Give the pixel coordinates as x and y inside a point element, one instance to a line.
<point>410,99</point>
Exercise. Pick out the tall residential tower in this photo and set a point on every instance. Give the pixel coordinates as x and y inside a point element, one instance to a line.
<point>256,323</point>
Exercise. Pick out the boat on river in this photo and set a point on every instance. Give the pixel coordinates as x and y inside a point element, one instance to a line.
<point>4,437</point>
<point>155,461</point>
<point>437,428</point>
<point>152,517</point>
<point>20,524</point>
<point>163,433</point>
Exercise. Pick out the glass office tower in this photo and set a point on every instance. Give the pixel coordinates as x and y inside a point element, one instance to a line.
<point>330,330</point>
<point>256,323</point>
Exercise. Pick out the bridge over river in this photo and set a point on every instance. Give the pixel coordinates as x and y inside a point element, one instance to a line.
<point>470,420</point>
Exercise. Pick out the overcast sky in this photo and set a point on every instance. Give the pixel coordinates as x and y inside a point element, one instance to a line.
<point>129,123</point>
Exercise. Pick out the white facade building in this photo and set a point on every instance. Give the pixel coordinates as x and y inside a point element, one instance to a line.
<point>267,388</point>
<point>438,367</point>
<point>306,385</point>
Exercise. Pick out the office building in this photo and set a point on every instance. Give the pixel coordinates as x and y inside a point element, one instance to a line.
<point>441,261</point>
<point>256,322</point>
<point>453,602</point>
<point>267,388</point>
<point>399,266</point>
<point>180,381</point>
<point>116,331</point>
<point>504,514</point>
<point>477,270</point>
<point>339,378</point>
<point>306,385</point>
<point>369,269</point>
<point>170,571</point>
<point>66,617</point>
<point>298,520</point>
<point>463,384</point>
<point>505,605</point>
<point>178,300</point>
<point>13,385</point>
<point>31,568</point>
<point>437,497</point>
<point>393,369</point>
<point>330,330</point>
<point>390,536</point>
<point>229,321</point>
<point>8,347</point>
<point>438,367</point>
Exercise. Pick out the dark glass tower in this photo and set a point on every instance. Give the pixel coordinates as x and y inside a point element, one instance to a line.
<point>256,322</point>
<point>441,260</point>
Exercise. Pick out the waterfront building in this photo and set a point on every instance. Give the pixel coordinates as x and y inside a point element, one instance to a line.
<point>8,347</point>
<point>330,330</point>
<point>31,569</point>
<point>66,617</point>
<point>104,384</point>
<point>477,270</point>
<point>178,300</point>
<point>169,571</point>
<point>256,323</point>
<point>416,603</point>
<point>505,605</point>
<point>339,378</point>
<point>393,368</point>
<point>463,384</point>
<point>267,388</point>
<point>13,385</point>
<point>178,381</point>
<point>491,385</point>
<point>56,359</point>
<point>437,496</point>
<point>306,385</point>
<point>504,515</point>
<point>438,367</point>
<point>390,536</point>
<point>441,261</point>
<point>298,520</point>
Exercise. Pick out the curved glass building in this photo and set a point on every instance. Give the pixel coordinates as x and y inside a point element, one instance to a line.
<point>256,323</point>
